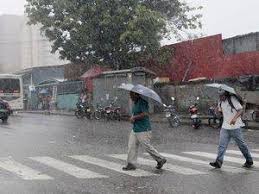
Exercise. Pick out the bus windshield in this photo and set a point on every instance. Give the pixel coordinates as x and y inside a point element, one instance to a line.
<point>9,85</point>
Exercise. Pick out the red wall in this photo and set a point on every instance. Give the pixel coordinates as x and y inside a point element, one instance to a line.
<point>206,59</point>
<point>239,64</point>
<point>197,55</point>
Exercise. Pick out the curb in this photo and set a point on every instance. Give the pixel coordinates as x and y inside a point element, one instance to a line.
<point>47,113</point>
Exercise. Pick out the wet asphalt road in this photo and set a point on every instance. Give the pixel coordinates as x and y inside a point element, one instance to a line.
<point>59,138</point>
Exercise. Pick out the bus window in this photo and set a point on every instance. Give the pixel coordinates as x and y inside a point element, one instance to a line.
<point>9,86</point>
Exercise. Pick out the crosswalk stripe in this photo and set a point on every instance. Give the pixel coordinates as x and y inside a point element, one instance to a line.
<point>168,167</point>
<point>213,156</point>
<point>254,155</point>
<point>201,162</point>
<point>21,170</point>
<point>255,150</point>
<point>111,165</point>
<point>70,169</point>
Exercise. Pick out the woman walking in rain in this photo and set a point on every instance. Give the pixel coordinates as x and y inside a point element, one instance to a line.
<point>231,109</point>
<point>141,134</point>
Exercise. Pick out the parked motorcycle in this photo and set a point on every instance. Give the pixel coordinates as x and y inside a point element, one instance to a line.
<point>99,112</point>
<point>113,112</point>
<point>255,115</point>
<point>195,120</point>
<point>5,111</point>
<point>110,112</point>
<point>83,110</point>
<point>171,114</point>
<point>215,119</point>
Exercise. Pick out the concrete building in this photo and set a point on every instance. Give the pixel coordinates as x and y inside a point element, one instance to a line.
<point>36,49</point>
<point>242,43</point>
<point>10,43</point>
<point>23,46</point>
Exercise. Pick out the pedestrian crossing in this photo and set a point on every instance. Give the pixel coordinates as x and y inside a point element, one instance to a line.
<point>21,170</point>
<point>70,169</point>
<point>226,158</point>
<point>111,165</point>
<point>239,153</point>
<point>187,163</point>
<point>169,167</point>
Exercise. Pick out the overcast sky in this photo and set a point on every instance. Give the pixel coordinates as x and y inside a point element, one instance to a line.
<point>228,17</point>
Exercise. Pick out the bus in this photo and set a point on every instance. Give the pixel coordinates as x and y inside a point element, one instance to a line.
<point>11,90</point>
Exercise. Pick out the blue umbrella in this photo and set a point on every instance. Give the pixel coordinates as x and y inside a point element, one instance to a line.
<point>142,90</point>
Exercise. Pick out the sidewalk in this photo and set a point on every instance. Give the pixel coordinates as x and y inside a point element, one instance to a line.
<point>157,118</point>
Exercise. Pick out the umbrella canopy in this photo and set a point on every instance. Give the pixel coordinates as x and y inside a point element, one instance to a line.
<point>127,87</point>
<point>143,91</point>
<point>222,87</point>
<point>44,91</point>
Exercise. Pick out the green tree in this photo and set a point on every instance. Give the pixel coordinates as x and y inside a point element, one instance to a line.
<point>109,32</point>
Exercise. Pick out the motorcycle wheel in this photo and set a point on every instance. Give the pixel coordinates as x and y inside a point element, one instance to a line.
<point>89,115</point>
<point>97,115</point>
<point>4,120</point>
<point>78,114</point>
<point>108,116</point>
<point>196,123</point>
<point>116,116</point>
<point>255,116</point>
<point>174,122</point>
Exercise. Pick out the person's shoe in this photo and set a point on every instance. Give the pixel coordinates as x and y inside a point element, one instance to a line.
<point>160,164</point>
<point>216,164</point>
<point>248,164</point>
<point>129,167</point>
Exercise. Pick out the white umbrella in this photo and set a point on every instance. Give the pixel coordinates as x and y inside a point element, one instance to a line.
<point>142,90</point>
<point>223,87</point>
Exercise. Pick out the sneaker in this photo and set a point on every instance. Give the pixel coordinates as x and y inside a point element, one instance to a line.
<point>248,164</point>
<point>216,164</point>
<point>160,164</point>
<point>129,167</point>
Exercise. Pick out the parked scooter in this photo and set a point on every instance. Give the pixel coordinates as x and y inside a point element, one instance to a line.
<point>171,114</point>
<point>112,112</point>
<point>195,120</point>
<point>99,112</point>
<point>116,113</point>
<point>215,119</point>
<point>83,110</point>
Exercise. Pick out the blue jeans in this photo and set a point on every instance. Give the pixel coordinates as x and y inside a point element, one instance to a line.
<point>224,139</point>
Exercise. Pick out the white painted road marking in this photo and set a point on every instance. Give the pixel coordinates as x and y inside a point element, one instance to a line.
<point>254,155</point>
<point>111,165</point>
<point>169,167</point>
<point>21,170</point>
<point>213,156</point>
<point>201,162</point>
<point>70,169</point>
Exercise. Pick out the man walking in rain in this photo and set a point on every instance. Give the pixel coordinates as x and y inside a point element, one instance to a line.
<point>141,134</point>
<point>231,108</point>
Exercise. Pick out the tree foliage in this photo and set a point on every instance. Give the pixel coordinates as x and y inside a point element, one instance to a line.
<point>109,32</point>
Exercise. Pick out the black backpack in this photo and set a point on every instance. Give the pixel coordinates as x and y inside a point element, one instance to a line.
<point>239,99</point>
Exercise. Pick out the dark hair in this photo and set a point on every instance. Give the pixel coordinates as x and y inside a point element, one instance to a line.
<point>238,98</point>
